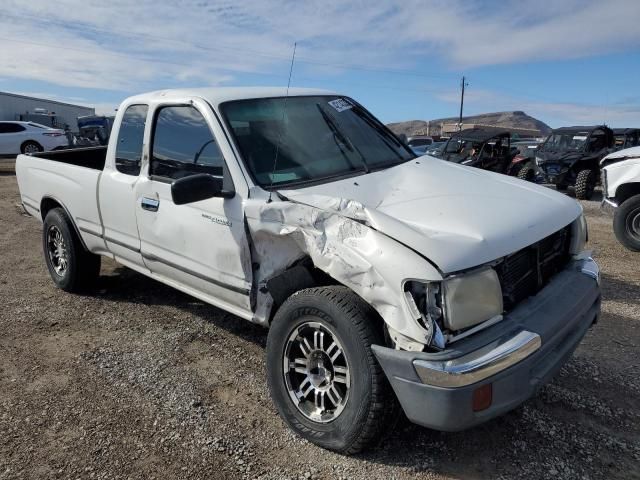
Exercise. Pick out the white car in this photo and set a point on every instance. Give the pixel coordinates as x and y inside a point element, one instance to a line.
<point>462,290</point>
<point>621,188</point>
<point>29,137</point>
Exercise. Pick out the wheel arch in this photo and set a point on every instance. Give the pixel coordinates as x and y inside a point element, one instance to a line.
<point>48,203</point>
<point>626,191</point>
<point>303,275</point>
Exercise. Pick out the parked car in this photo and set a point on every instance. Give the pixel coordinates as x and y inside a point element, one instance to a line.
<point>419,141</point>
<point>570,157</point>
<point>523,165</point>
<point>29,137</point>
<point>94,129</point>
<point>621,192</point>
<point>462,290</point>
<point>435,149</point>
<point>482,147</point>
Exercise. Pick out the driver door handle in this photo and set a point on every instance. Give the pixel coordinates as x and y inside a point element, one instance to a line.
<point>150,204</point>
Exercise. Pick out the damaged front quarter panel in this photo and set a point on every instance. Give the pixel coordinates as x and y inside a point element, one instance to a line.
<point>339,240</point>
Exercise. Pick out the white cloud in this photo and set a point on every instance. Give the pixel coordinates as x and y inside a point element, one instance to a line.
<point>130,47</point>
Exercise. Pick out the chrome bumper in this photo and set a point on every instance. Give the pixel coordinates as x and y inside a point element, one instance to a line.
<point>492,359</point>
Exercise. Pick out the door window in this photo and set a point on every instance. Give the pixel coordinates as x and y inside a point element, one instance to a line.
<point>130,139</point>
<point>183,145</point>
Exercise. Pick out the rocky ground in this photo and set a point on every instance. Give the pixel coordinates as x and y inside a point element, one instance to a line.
<point>140,381</point>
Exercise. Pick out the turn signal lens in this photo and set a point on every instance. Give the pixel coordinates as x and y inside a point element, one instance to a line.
<point>482,397</point>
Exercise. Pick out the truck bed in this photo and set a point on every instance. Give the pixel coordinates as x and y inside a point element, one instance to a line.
<point>90,157</point>
<point>68,178</point>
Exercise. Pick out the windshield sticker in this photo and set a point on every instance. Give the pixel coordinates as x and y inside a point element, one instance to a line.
<point>340,104</point>
<point>283,177</point>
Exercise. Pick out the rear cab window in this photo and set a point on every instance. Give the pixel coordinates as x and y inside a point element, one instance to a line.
<point>130,140</point>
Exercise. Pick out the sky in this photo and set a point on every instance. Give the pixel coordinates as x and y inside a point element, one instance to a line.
<point>568,62</point>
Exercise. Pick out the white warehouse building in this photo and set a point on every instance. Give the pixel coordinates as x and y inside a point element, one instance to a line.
<point>41,110</point>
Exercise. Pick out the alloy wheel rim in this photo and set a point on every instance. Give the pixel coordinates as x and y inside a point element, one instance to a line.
<point>30,148</point>
<point>316,372</point>
<point>57,250</point>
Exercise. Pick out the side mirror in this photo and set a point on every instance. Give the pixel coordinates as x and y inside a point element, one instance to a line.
<point>403,138</point>
<point>198,187</point>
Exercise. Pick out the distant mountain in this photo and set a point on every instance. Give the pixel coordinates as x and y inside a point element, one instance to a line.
<point>509,120</point>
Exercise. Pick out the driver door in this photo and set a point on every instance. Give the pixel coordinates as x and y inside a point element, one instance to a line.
<point>199,247</point>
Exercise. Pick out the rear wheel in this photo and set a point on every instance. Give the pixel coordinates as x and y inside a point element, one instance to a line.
<point>71,267</point>
<point>31,147</point>
<point>323,376</point>
<point>585,184</point>
<point>626,223</point>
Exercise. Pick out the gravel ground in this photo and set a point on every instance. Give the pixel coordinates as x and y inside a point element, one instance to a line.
<point>140,381</point>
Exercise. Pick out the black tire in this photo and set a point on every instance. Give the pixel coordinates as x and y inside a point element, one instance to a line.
<point>369,406</point>
<point>31,146</point>
<point>585,184</point>
<point>81,268</point>
<point>626,223</point>
<point>526,173</point>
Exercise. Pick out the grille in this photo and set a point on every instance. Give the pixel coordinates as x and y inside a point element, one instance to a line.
<point>525,272</point>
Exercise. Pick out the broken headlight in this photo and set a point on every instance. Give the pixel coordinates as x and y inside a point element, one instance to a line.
<point>456,303</point>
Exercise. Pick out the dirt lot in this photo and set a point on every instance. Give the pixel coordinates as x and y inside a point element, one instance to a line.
<point>140,381</point>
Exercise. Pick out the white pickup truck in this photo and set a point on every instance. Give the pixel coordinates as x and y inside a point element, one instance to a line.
<point>382,276</point>
<point>621,192</point>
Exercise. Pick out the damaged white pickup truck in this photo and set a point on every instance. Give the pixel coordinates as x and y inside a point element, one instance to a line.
<point>383,277</point>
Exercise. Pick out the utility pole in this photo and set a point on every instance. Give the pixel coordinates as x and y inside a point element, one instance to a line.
<point>463,84</point>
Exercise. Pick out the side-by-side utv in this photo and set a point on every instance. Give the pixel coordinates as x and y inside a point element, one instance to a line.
<point>482,147</point>
<point>570,157</point>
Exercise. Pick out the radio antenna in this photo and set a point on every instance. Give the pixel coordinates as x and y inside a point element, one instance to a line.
<point>284,113</point>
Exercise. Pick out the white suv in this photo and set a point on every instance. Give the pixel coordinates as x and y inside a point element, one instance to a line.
<point>29,137</point>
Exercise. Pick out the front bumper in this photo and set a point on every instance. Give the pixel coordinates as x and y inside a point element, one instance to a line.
<point>517,356</point>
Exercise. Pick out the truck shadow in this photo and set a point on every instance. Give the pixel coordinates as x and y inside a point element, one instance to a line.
<point>121,284</point>
<point>614,288</point>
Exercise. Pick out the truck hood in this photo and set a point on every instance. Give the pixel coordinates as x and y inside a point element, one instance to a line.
<point>633,152</point>
<point>458,217</point>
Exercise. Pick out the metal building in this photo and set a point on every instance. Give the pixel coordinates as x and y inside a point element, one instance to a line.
<point>41,110</point>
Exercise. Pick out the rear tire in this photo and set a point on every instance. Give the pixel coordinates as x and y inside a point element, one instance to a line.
<point>585,184</point>
<point>31,147</point>
<point>71,267</point>
<point>626,223</point>
<point>301,387</point>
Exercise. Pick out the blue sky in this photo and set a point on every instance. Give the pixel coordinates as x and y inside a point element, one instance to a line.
<point>569,62</point>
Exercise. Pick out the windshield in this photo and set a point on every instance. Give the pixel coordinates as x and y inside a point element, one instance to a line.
<point>316,138</point>
<point>565,141</point>
<point>462,146</point>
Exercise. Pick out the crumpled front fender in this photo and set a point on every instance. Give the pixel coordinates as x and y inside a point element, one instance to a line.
<point>343,246</point>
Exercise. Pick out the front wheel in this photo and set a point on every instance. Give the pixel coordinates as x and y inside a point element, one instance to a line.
<point>526,173</point>
<point>323,376</point>
<point>585,184</point>
<point>626,223</point>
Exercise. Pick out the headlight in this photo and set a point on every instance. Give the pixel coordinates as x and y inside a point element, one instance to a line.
<point>579,235</point>
<point>471,299</point>
<point>456,303</point>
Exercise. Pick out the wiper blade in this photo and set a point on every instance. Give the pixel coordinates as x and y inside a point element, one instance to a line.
<point>385,134</point>
<point>338,135</point>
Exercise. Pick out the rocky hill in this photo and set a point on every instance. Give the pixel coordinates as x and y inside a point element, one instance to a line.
<point>508,120</point>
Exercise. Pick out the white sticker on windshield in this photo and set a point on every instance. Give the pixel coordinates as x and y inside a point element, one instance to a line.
<point>340,104</point>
